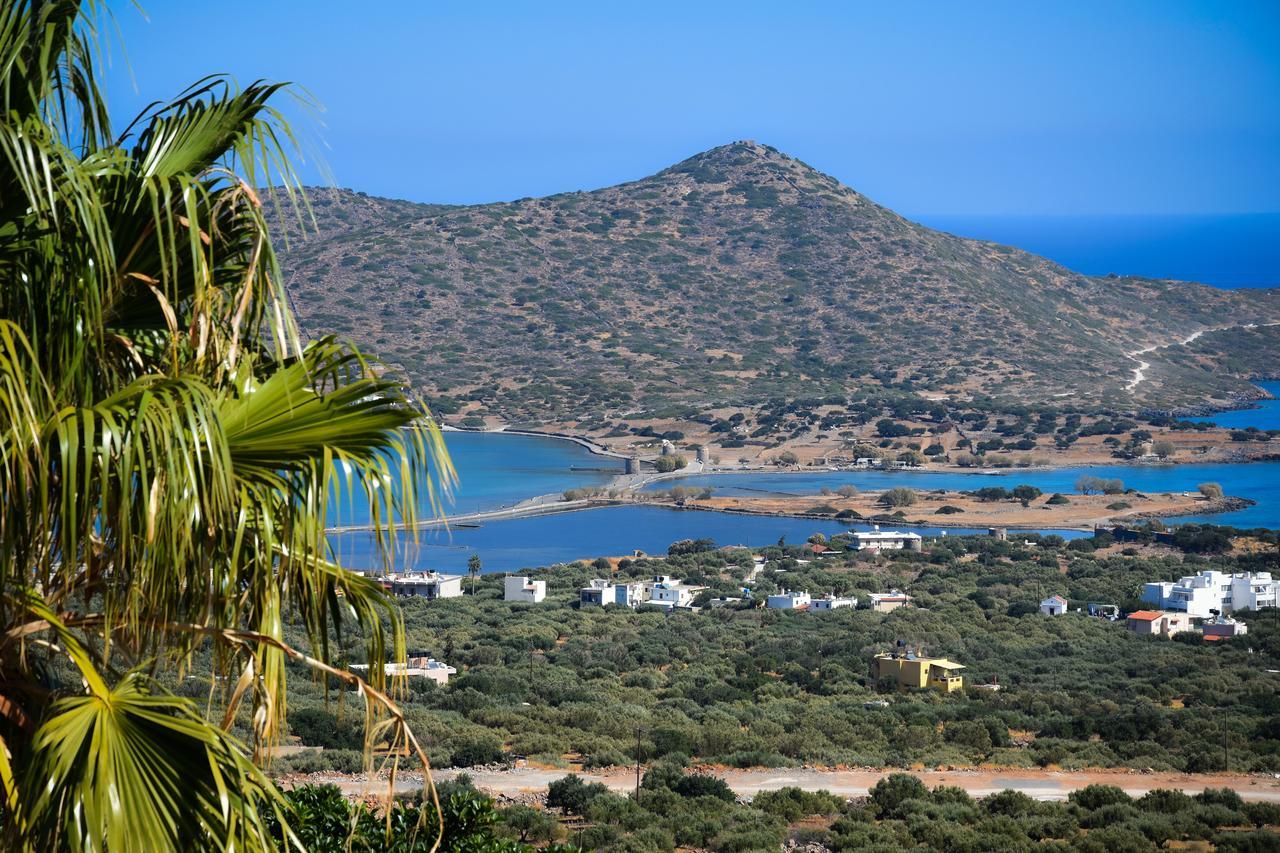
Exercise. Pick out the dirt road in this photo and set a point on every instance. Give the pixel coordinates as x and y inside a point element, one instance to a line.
<point>1039,784</point>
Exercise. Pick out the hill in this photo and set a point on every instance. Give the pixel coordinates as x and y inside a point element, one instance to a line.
<point>738,275</point>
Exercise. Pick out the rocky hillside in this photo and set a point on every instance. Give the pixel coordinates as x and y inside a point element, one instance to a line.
<point>737,275</point>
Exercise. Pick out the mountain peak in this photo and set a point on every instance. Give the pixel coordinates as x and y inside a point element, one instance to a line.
<point>719,161</point>
<point>740,273</point>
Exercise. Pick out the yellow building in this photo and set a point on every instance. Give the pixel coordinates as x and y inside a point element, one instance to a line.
<point>910,670</point>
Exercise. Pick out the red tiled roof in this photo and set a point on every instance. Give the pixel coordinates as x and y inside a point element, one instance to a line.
<point>1146,615</point>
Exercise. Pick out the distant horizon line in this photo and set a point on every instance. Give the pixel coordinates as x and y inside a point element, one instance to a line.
<point>904,213</point>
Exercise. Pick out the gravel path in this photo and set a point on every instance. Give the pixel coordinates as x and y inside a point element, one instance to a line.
<point>1039,784</point>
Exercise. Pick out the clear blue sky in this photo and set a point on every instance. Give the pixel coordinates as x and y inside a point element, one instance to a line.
<point>928,107</point>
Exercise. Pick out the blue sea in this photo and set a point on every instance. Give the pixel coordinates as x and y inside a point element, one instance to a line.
<point>1226,251</point>
<point>514,544</point>
<point>1259,481</point>
<point>497,470</point>
<point>519,543</point>
<point>1265,414</point>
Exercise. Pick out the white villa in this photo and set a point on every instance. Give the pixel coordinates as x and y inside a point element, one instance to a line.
<point>1199,594</point>
<point>833,602</point>
<point>885,540</point>
<point>601,592</point>
<point>788,600</point>
<point>668,592</point>
<point>520,588</point>
<point>660,591</point>
<point>428,585</point>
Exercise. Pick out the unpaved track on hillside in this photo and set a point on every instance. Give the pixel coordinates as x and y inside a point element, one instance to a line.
<point>1040,784</point>
<point>1140,372</point>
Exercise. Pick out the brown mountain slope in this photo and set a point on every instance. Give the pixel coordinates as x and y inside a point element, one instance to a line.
<point>737,275</point>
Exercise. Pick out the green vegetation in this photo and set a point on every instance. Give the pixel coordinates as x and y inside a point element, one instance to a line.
<point>681,809</point>
<point>1212,491</point>
<point>667,464</point>
<point>898,496</point>
<point>166,445</point>
<point>749,687</point>
<point>327,822</point>
<point>1091,485</point>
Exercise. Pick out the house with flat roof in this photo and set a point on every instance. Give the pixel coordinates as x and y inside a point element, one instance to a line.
<point>428,585</point>
<point>1209,590</point>
<point>668,592</point>
<point>887,602</point>
<point>601,592</point>
<point>788,600</point>
<point>1054,605</point>
<point>1223,628</point>
<point>833,602</point>
<point>885,540</point>
<point>912,671</point>
<point>520,588</point>
<point>1158,623</point>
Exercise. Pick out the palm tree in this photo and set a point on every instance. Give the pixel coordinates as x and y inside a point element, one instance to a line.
<point>168,448</point>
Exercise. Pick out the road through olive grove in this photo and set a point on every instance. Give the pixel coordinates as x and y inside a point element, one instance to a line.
<point>1035,783</point>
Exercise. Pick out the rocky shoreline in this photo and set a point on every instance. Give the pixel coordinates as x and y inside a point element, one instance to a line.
<point>1225,504</point>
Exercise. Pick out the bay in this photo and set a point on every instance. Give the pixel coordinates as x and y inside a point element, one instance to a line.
<point>498,470</point>
<point>520,543</point>
<point>1264,415</point>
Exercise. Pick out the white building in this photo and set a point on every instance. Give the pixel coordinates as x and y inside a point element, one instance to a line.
<point>660,591</point>
<point>668,592</point>
<point>601,592</point>
<point>520,588</point>
<point>788,600</point>
<point>415,667</point>
<point>833,602</point>
<point>1199,594</point>
<point>428,585</point>
<point>1054,605</point>
<point>885,540</point>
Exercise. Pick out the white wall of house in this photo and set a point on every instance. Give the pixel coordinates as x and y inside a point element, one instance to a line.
<point>788,600</point>
<point>1200,594</point>
<point>518,588</point>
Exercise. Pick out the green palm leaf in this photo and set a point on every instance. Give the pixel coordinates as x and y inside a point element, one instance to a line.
<point>169,451</point>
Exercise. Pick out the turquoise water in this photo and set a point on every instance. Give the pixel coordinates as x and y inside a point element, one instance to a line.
<point>1265,416</point>
<point>500,470</point>
<point>1259,481</point>
<point>521,543</point>
<point>496,471</point>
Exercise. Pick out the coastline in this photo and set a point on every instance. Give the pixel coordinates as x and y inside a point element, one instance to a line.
<point>598,449</point>
<point>554,505</point>
<point>593,447</point>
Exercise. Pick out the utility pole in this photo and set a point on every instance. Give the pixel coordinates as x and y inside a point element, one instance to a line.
<point>638,730</point>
